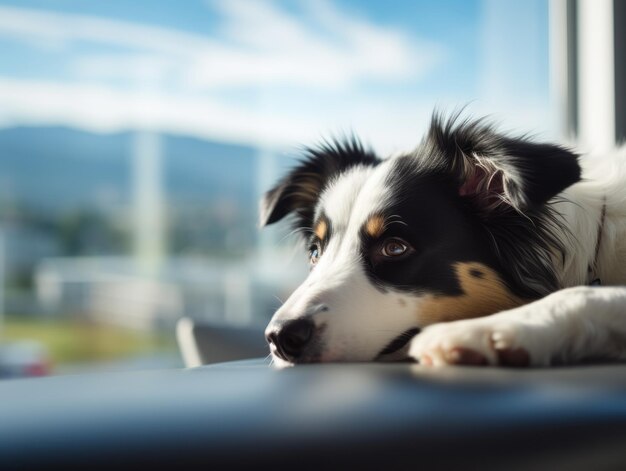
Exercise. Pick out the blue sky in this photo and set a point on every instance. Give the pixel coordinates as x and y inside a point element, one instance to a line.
<point>273,72</point>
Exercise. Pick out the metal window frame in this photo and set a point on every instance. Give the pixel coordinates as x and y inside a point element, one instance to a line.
<point>588,68</point>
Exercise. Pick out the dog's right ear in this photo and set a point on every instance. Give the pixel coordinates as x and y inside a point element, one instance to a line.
<point>495,171</point>
<point>299,191</point>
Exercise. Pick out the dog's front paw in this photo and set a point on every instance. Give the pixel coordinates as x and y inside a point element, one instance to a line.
<point>478,342</point>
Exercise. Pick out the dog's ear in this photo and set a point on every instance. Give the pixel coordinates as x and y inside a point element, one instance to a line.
<point>496,170</point>
<point>300,190</point>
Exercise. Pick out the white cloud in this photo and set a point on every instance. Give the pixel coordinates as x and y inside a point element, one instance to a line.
<point>63,28</point>
<point>102,109</point>
<point>258,44</point>
<point>389,126</point>
<point>265,76</point>
<point>175,81</point>
<point>151,77</point>
<point>279,48</point>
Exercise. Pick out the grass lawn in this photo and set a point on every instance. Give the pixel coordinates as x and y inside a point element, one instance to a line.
<point>72,340</point>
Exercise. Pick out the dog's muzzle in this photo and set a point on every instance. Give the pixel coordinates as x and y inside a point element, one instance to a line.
<point>290,339</point>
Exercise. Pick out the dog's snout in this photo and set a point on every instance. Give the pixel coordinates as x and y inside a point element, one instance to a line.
<point>291,338</point>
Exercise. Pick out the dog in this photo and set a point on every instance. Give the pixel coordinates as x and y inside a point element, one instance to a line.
<point>476,248</point>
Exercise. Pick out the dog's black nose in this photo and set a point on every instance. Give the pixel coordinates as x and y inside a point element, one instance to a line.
<point>292,338</point>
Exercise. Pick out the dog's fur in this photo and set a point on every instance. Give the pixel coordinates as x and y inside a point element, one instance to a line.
<point>475,248</point>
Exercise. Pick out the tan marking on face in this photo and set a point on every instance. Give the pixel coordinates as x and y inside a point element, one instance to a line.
<point>484,293</point>
<point>375,226</point>
<point>321,229</point>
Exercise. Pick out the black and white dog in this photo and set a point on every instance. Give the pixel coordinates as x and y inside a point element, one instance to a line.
<point>475,248</point>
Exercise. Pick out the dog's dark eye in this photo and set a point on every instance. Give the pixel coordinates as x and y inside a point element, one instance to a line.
<point>314,254</point>
<point>394,248</point>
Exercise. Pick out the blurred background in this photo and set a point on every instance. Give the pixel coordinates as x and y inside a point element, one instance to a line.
<point>137,137</point>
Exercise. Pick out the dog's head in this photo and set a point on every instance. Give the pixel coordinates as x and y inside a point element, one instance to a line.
<point>458,228</point>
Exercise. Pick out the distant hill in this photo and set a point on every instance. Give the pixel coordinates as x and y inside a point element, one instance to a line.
<point>55,168</point>
<point>74,189</point>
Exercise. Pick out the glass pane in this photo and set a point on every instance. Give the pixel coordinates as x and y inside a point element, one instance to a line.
<point>137,137</point>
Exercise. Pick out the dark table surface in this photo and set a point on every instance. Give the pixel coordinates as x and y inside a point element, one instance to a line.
<point>344,416</point>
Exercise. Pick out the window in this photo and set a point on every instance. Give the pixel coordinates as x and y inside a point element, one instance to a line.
<point>136,139</point>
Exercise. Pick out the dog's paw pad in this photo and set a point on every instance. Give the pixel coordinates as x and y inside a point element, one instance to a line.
<point>508,351</point>
<point>426,360</point>
<point>465,356</point>
<point>517,357</point>
<point>475,342</point>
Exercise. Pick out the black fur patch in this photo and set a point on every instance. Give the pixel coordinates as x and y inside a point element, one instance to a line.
<point>529,173</point>
<point>437,226</point>
<point>399,342</point>
<point>518,237</point>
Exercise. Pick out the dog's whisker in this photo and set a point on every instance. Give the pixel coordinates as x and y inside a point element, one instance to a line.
<point>298,230</point>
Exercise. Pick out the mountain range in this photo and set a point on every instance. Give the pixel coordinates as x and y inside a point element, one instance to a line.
<point>56,168</point>
<point>75,189</point>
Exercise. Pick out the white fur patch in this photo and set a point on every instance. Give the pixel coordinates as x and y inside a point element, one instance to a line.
<point>354,195</point>
<point>564,327</point>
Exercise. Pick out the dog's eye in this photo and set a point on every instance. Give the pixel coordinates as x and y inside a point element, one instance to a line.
<point>314,254</point>
<point>394,248</point>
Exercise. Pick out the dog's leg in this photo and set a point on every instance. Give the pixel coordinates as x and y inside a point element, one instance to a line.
<point>568,325</point>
